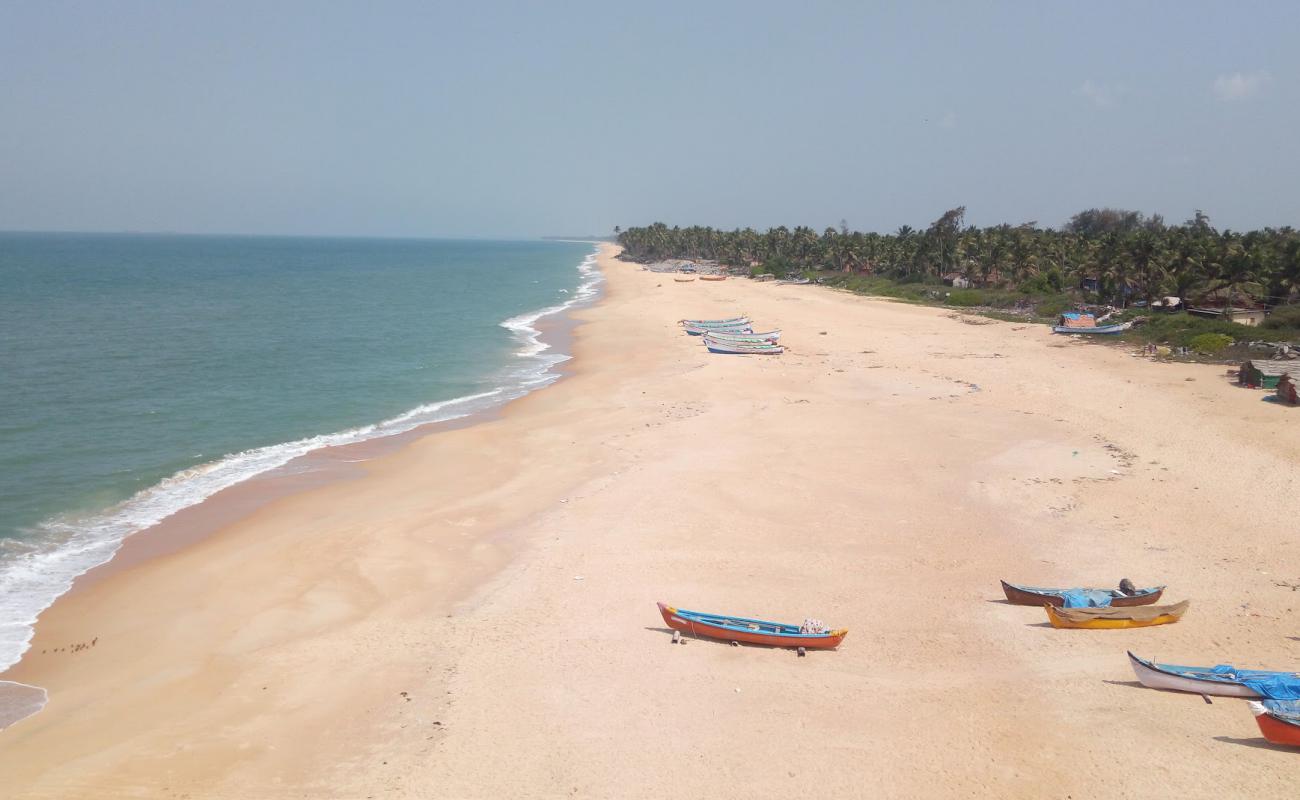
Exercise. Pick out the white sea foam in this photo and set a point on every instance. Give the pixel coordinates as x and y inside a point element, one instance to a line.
<point>34,572</point>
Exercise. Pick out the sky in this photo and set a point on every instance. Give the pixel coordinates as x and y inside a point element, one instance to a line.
<point>524,119</point>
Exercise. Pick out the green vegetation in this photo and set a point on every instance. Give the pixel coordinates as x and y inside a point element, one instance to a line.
<point>1104,255</point>
<point>1210,344</point>
<point>967,298</point>
<point>1285,318</point>
<point>1180,329</point>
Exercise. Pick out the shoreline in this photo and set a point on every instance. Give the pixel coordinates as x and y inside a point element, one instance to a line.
<point>486,596</point>
<point>316,468</point>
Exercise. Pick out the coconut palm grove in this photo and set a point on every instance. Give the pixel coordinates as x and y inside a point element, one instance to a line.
<point>1102,255</point>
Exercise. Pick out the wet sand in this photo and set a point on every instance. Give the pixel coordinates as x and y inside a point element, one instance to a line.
<point>472,615</point>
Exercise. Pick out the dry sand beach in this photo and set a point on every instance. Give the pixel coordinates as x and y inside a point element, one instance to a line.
<point>473,615</point>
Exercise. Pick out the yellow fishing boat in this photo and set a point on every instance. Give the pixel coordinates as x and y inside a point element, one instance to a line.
<point>1107,618</point>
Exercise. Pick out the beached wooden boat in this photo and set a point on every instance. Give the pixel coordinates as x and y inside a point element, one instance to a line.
<point>754,336</point>
<point>694,330</point>
<point>1037,595</point>
<point>1220,681</point>
<point>684,278</point>
<point>713,277</point>
<point>1278,720</point>
<point>1100,329</point>
<point>750,631</point>
<point>742,348</point>
<point>1110,618</point>
<point>713,323</point>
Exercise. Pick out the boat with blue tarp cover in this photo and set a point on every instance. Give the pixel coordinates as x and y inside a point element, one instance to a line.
<point>1222,680</point>
<point>811,634</point>
<point>1082,597</point>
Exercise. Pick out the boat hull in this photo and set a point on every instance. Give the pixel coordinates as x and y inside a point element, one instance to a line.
<point>1275,729</point>
<point>1102,330</point>
<point>738,329</point>
<point>715,323</point>
<point>1026,596</point>
<point>756,338</point>
<point>1058,620</point>
<point>686,622</point>
<point>1151,676</point>
<point>741,349</point>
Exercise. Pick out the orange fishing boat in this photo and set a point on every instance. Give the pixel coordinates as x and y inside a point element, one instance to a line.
<point>750,631</point>
<point>1278,720</point>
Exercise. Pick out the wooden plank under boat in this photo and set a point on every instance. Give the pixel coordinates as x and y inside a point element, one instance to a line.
<point>1111,618</point>
<point>1278,720</point>
<point>750,631</point>
<point>1196,680</point>
<point>1037,595</point>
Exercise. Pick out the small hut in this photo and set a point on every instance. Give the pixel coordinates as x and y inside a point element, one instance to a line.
<point>1263,373</point>
<point>1286,390</point>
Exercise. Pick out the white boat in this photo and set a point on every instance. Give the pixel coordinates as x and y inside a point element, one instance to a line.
<point>714,323</point>
<point>1103,329</point>
<point>728,336</point>
<point>742,348</point>
<point>1196,680</point>
<point>695,330</point>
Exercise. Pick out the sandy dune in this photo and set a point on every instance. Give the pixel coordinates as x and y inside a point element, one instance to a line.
<point>474,615</point>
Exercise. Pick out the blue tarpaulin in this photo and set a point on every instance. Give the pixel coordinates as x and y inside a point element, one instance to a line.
<point>1086,598</point>
<point>1273,685</point>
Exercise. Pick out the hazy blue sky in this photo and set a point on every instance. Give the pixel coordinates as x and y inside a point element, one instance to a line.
<point>428,119</point>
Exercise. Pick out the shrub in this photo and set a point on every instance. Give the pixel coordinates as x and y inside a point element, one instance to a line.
<point>1053,306</point>
<point>1180,329</point>
<point>1282,318</point>
<point>1208,344</point>
<point>965,298</point>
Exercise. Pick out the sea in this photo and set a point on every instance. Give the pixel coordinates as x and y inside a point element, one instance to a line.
<point>141,374</point>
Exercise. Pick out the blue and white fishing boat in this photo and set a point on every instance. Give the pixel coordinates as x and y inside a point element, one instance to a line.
<point>1079,322</point>
<point>1221,681</point>
<point>1100,329</point>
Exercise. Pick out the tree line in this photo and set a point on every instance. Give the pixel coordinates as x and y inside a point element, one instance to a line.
<point>1119,255</point>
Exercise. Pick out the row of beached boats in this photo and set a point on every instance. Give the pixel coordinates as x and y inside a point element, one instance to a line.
<point>1274,695</point>
<point>1098,609</point>
<point>734,336</point>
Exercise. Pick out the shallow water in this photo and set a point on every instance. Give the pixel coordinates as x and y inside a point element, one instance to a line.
<point>142,374</point>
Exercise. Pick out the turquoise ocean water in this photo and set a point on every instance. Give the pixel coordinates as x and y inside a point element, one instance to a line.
<point>140,374</point>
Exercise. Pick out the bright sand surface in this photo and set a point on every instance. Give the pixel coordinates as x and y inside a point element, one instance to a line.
<point>473,615</point>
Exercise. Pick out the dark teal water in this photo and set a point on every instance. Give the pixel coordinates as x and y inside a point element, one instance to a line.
<point>141,374</point>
